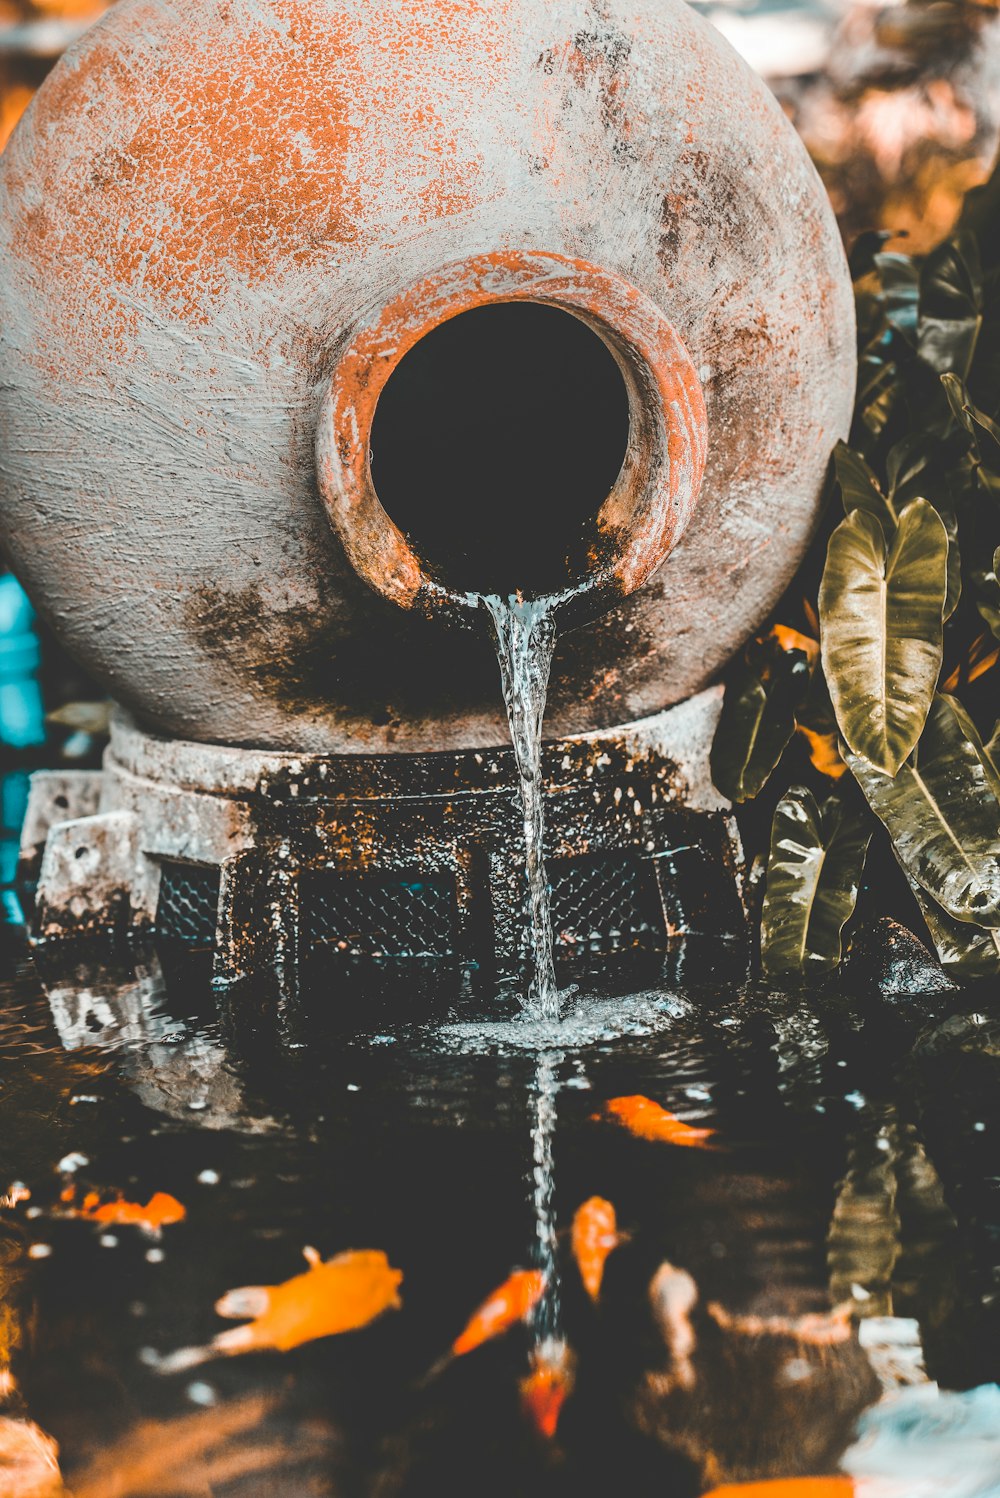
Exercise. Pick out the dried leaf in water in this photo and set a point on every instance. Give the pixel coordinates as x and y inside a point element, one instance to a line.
<point>882,621</point>
<point>788,1487</point>
<point>813,876</point>
<point>511,1302</point>
<point>595,1236</point>
<point>648,1120</point>
<point>943,816</point>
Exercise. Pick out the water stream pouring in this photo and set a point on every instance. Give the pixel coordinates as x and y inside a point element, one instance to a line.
<point>604,553</point>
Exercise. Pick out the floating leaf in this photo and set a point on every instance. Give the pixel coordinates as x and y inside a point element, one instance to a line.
<point>757,721</point>
<point>860,489</point>
<point>943,817</point>
<point>951,306</point>
<point>881,615</point>
<point>813,874</point>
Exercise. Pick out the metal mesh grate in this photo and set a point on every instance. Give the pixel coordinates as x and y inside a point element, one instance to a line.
<point>189,900</point>
<point>379,915</point>
<point>605,901</point>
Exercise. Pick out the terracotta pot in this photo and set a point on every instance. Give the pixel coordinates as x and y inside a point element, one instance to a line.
<point>223,225</point>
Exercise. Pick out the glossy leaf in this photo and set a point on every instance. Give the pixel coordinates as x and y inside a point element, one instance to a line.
<point>983,459</point>
<point>757,721</point>
<point>943,816</point>
<point>813,875</point>
<point>881,617</point>
<point>986,587</point>
<point>951,306</point>
<point>953,595</point>
<point>859,488</point>
<point>972,951</point>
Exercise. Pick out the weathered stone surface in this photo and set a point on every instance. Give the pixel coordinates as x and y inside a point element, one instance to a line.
<point>209,199</point>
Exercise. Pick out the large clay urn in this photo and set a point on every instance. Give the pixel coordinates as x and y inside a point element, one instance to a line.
<point>224,227</point>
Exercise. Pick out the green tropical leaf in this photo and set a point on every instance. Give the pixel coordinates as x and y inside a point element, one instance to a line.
<point>954,592</point>
<point>757,721</point>
<point>900,279</point>
<point>943,817</point>
<point>813,875</point>
<point>950,314</point>
<point>986,589</point>
<point>906,461</point>
<point>881,608</point>
<point>859,488</point>
<point>972,951</point>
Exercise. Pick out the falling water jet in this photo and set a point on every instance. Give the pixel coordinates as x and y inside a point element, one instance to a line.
<point>525,635</point>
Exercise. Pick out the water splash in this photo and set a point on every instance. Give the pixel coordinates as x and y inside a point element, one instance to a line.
<point>524,632</point>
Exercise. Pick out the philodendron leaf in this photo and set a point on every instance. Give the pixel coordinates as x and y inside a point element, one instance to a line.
<point>860,489</point>
<point>881,609</point>
<point>950,314</point>
<point>813,875</point>
<point>943,816</point>
<point>972,951</point>
<point>987,595</point>
<point>757,721</point>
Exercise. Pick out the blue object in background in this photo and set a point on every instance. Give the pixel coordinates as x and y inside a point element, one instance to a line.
<point>22,713</point>
<point>22,728</point>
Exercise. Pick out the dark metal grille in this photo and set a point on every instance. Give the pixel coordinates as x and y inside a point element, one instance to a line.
<point>605,901</point>
<point>189,900</point>
<point>374,915</point>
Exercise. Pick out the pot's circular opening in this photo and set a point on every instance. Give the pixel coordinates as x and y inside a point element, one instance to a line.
<point>622,533</point>
<point>495,442</point>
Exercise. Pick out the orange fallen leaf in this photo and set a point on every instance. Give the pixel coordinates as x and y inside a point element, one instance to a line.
<point>511,1302</point>
<point>824,751</point>
<point>792,639</point>
<point>647,1120</point>
<point>341,1294</point>
<point>162,1210</point>
<point>595,1235</point>
<point>29,1461</point>
<point>544,1390</point>
<point>788,1487</point>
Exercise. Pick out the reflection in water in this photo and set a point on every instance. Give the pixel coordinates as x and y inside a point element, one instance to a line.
<point>837,1173</point>
<point>546,1319</point>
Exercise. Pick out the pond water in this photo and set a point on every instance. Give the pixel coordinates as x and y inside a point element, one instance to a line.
<point>857,1159</point>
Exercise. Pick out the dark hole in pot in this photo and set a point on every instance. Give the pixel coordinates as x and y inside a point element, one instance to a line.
<point>496,440</point>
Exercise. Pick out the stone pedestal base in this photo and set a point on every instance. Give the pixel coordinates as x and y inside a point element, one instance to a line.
<point>267,855</point>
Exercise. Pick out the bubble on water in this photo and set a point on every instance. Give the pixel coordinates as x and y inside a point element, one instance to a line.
<point>209,1177</point>
<point>201,1394</point>
<point>40,1251</point>
<point>108,1240</point>
<point>72,1162</point>
<point>584,1022</point>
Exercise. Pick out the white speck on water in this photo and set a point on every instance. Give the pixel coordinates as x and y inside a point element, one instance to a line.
<point>698,1094</point>
<point>40,1251</point>
<point>202,1394</point>
<point>209,1177</point>
<point>72,1162</point>
<point>83,1097</point>
<point>33,1212</point>
<point>856,1099</point>
<point>155,1256</point>
<point>353,1087</point>
<point>108,1240</point>
<point>979,1128</point>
